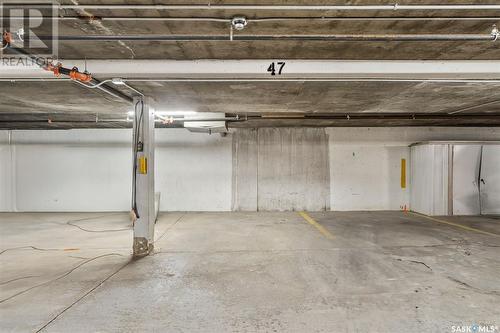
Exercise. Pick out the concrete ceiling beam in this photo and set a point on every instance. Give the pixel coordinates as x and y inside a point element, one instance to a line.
<point>261,69</point>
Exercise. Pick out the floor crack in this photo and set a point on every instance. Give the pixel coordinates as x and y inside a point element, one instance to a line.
<point>85,295</point>
<point>482,291</point>
<point>415,262</point>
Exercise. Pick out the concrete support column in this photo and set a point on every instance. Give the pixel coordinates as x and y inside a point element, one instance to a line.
<point>143,192</point>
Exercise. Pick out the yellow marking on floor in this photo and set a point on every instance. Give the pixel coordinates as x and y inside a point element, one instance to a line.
<point>318,226</point>
<point>456,225</point>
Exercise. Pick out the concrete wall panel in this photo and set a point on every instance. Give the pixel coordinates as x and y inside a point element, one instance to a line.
<point>245,150</point>
<point>293,169</point>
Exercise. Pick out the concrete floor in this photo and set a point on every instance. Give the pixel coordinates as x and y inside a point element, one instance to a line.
<point>249,272</point>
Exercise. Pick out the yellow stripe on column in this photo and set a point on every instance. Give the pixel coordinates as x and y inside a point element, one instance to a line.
<point>143,165</point>
<point>318,226</point>
<point>403,173</point>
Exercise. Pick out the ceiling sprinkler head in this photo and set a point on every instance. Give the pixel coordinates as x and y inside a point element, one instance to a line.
<point>494,31</point>
<point>239,23</point>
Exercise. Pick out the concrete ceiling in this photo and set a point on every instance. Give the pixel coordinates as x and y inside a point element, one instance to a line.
<point>442,50</point>
<point>259,97</point>
<point>323,97</point>
<point>337,98</point>
<point>272,99</point>
<point>282,49</point>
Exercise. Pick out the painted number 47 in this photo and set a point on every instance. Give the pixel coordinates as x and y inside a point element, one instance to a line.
<point>276,66</point>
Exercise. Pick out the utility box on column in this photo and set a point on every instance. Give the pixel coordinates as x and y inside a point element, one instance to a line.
<point>143,191</point>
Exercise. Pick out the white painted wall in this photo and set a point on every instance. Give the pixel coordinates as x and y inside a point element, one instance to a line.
<point>404,136</point>
<point>365,162</point>
<point>78,170</point>
<point>5,172</point>
<point>367,177</point>
<point>90,170</point>
<point>365,168</point>
<point>194,171</point>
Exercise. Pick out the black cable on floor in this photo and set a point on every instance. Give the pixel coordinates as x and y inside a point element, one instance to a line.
<point>59,277</point>
<point>72,223</point>
<point>79,299</point>
<point>28,247</point>
<point>19,278</point>
<point>88,230</point>
<point>168,228</point>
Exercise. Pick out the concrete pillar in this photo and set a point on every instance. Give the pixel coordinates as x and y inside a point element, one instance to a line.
<point>143,193</point>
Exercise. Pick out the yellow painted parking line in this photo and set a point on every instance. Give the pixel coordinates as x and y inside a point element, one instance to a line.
<point>461,226</point>
<point>318,226</point>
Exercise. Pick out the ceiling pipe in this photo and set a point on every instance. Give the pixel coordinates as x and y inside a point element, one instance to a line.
<point>208,6</point>
<point>349,38</point>
<point>399,18</point>
<point>42,117</point>
<point>373,116</point>
<point>309,80</point>
<point>307,120</point>
<point>105,88</point>
<point>40,79</point>
<point>139,18</point>
<point>88,79</point>
<point>116,81</point>
<point>35,79</point>
<point>263,19</point>
<point>175,120</point>
<point>101,85</point>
